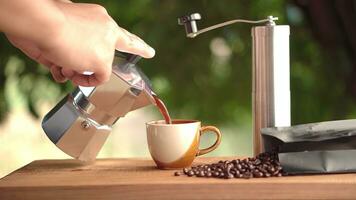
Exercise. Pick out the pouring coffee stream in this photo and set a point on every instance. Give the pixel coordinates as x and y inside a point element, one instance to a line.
<point>162,109</point>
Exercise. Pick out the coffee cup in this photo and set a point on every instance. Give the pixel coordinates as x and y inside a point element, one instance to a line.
<point>176,145</point>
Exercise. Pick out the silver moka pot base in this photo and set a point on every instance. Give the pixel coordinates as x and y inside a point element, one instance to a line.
<point>69,129</point>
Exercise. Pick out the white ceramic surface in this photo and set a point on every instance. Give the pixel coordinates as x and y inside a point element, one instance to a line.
<point>169,142</point>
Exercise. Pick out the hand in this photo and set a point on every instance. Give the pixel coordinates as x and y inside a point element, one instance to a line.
<point>84,42</point>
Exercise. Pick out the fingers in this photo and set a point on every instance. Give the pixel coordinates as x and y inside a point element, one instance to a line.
<point>82,79</point>
<point>61,75</point>
<point>87,80</point>
<point>30,49</point>
<point>68,73</point>
<point>57,74</point>
<point>130,43</point>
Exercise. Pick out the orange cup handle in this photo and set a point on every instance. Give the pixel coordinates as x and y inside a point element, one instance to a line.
<point>215,130</point>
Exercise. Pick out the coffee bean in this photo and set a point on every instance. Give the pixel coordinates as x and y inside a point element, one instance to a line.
<point>228,168</point>
<point>235,162</point>
<point>271,169</point>
<point>257,162</point>
<point>208,174</point>
<point>229,176</point>
<point>201,174</point>
<point>190,173</point>
<point>275,173</point>
<point>246,176</point>
<point>176,174</point>
<point>185,170</point>
<point>262,170</point>
<point>257,174</point>
<point>222,175</point>
<point>239,176</point>
<point>216,174</point>
<point>238,166</point>
<point>244,166</point>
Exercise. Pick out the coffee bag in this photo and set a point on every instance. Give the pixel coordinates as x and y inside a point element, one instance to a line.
<point>324,147</point>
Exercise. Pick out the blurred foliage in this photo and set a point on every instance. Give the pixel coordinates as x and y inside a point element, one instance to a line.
<point>208,77</point>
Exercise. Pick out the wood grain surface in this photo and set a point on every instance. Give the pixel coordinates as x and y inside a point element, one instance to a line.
<point>140,179</point>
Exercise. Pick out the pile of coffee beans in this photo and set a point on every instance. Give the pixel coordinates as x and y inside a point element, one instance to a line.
<point>263,165</point>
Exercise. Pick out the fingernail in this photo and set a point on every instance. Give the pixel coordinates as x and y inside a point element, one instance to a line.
<point>151,51</point>
<point>148,51</point>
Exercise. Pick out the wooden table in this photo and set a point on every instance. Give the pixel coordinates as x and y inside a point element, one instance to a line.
<point>139,179</point>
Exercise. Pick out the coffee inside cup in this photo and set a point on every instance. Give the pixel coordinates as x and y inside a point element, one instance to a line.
<point>175,121</point>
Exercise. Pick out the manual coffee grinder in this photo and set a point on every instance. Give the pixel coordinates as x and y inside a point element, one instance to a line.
<point>270,71</point>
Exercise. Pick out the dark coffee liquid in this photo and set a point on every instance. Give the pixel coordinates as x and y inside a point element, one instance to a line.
<point>163,109</point>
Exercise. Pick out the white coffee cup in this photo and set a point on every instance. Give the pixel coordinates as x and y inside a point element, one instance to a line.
<point>176,145</point>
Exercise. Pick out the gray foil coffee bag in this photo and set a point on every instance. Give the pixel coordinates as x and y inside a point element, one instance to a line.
<point>324,147</point>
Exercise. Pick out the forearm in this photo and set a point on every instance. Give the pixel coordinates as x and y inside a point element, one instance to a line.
<point>35,20</point>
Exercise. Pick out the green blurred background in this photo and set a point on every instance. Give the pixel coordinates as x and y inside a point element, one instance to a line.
<point>206,78</point>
